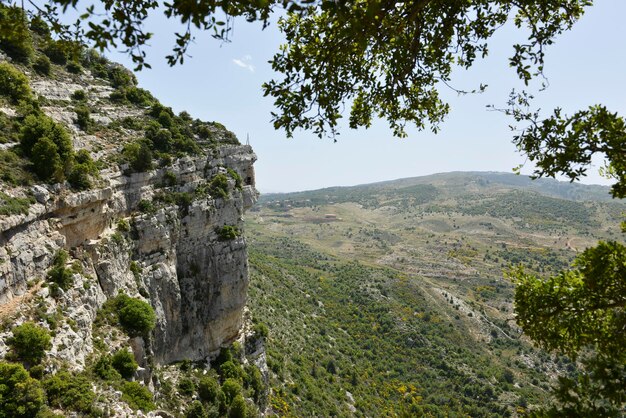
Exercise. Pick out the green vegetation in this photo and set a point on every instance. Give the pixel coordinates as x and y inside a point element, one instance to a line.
<point>138,155</point>
<point>218,187</point>
<point>59,274</point>
<point>42,65</point>
<point>14,205</point>
<point>82,117</point>
<point>137,396</point>
<point>124,362</point>
<point>208,389</point>
<point>412,316</point>
<point>227,232</point>
<point>84,170</point>
<point>15,36</point>
<point>103,368</point>
<point>579,312</point>
<point>135,316</point>
<point>30,342</point>
<point>20,395</point>
<point>13,84</point>
<point>69,391</point>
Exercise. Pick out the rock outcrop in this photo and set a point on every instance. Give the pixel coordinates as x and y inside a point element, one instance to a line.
<point>196,281</point>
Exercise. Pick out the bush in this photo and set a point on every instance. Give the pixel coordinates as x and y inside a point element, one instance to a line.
<point>196,410</point>
<point>138,155</point>
<point>235,176</point>
<point>58,51</point>
<point>103,368</point>
<point>21,396</point>
<point>120,77</point>
<point>186,386</point>
<point>30,342</point>
<point>238,408</point>
<point>39,135</point>
<point>146,206</point>
<point>42,65</point>
<point>83,170</point>
<point>74,67</point>
<point>136,316</point>
<point>208,388</point>
<point>13,83</point>
<point>231,389</point>
<point>14,205</point>
<point>254,380</point>
<point>124,362</point>
<point>218,187</point>
<point>82,117</point>
<point>260,330</point>
<point>46,160</point>
<point>137,396</point>
<point>227,232</point>
<point>139,97</point>
<point>79,95</point>
<point>69,391</point>
<point>17,42</point>
<point>229,369</point>
<point>58,273</point>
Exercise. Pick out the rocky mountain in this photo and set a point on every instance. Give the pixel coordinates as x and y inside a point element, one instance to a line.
<point>120,228</point>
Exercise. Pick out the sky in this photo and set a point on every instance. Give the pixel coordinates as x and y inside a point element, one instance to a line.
<point>222,82</point>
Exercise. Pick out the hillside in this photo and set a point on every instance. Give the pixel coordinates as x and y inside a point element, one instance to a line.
<point>123,269</point>
<point>389,299</point>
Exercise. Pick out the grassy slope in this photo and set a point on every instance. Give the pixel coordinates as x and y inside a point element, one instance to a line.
<point>398,306</point>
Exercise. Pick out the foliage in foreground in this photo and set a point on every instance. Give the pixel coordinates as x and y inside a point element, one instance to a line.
<point>581,312</point>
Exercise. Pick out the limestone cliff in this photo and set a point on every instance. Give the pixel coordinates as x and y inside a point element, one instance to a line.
<point>195,279</point>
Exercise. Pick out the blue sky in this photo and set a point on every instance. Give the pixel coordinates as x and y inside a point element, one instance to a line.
<point>222,82</point>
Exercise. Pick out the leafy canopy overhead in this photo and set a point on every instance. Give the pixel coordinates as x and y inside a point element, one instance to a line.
<point>373,58</point>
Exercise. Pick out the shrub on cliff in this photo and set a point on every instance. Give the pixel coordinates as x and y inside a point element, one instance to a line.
<point>136,317</point>
<point>208,389</point>
<point>42,65</point>
<point>231,389</point>
<point>218,187</point>
<point>227,232</point>
<point>69,391</point>
<point>103,368</point>
<point>58,274</point>
<point>138,155</point>
<point>238,408</point>
<point>48,145</point>
<point>21,396</point>
<point>30,342</point>
<point>13,83</point>
<point>124,362</point>
<point>196,410</point>
<point>137,396</point>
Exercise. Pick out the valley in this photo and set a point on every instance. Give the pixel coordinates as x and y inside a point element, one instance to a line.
<point>392,299</point>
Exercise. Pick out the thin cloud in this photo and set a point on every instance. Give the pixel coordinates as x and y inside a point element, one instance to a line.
<point>244,63</point>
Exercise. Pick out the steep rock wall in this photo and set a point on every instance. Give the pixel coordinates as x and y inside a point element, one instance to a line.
<point>196,282</point>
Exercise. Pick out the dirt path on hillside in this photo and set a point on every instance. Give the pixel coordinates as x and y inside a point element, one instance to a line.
<point>10,307</point>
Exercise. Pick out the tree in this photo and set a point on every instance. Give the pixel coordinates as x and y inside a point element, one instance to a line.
<point>382,58</point>
<point>30,342</point>
<point>21,396</point>
<point>124,362</point>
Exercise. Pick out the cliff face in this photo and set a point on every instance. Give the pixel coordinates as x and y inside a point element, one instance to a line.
<point>163,235</point>
<point>196,281</point>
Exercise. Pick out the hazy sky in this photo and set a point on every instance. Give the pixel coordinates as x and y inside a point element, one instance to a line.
<point>222,82</point>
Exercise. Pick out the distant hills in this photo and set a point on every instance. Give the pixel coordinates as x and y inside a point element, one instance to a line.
<point>466,180</point>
